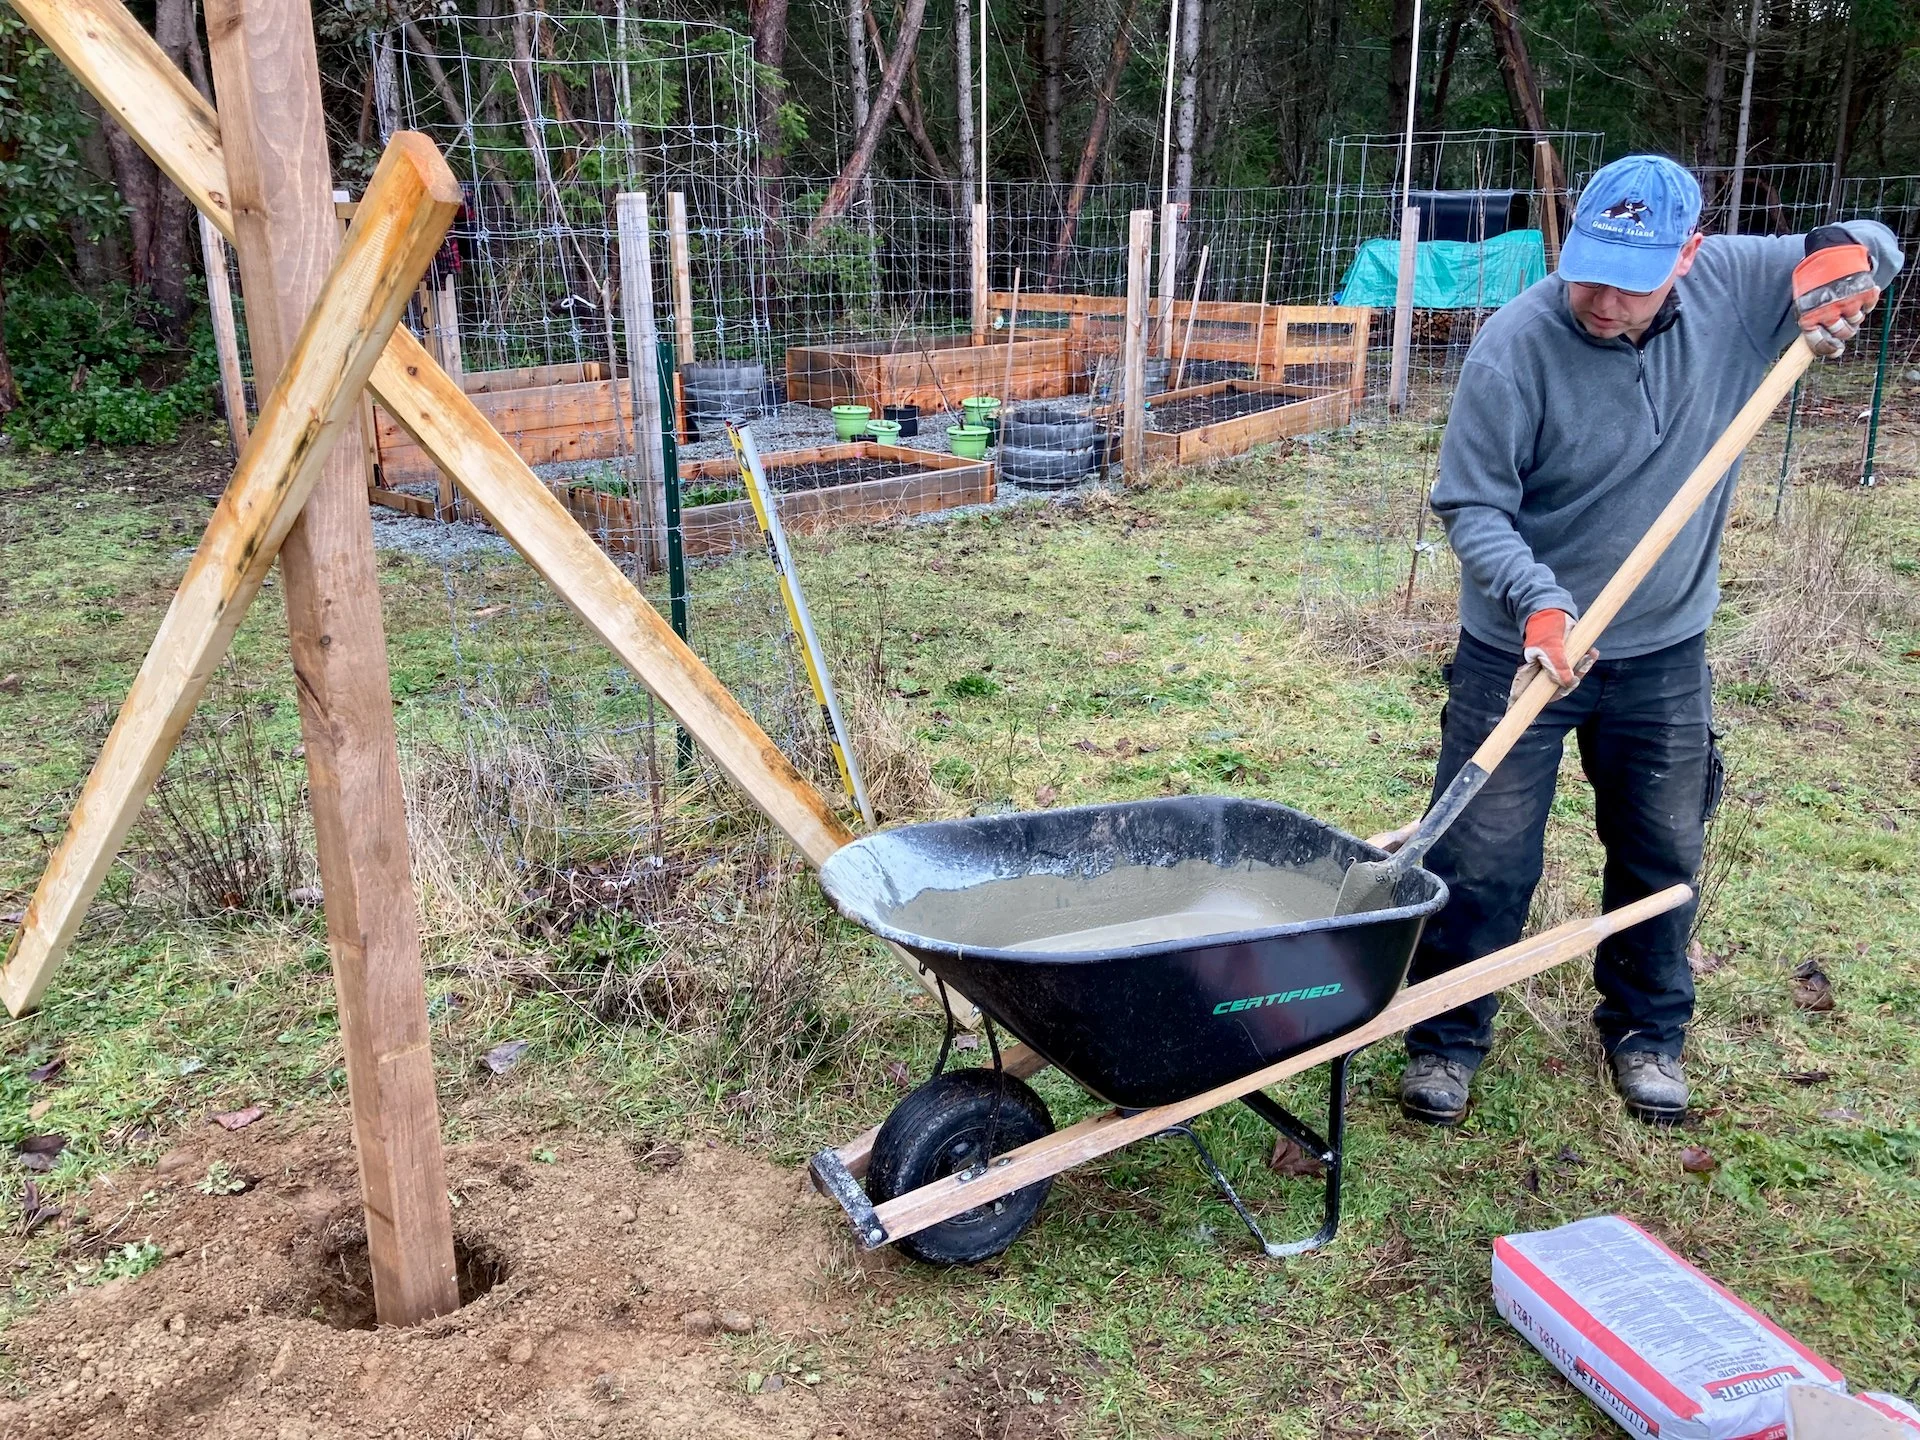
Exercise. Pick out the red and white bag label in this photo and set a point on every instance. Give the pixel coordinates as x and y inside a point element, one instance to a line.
<point>1659,1346</point>
<point>1893,1408</point>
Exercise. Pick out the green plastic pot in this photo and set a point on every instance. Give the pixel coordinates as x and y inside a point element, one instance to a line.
<point>969,442</point>
<point>885,431</point>
<point>850,421</point>
<point>980,408</point>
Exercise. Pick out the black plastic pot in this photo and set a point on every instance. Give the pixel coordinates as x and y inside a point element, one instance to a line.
<point>908,417</point>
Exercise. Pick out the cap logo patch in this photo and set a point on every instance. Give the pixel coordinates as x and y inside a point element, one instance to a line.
<point>1632,211</point>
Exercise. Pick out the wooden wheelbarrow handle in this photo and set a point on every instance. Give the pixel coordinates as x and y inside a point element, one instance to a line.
<point>1112,1129</point>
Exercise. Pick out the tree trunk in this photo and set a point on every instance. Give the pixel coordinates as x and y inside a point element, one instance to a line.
<point>1186,105</point>
<point>907,108</point>
<point>850,175</point>
<point>1400,43</point>
<point>173,29</point>
<point>1516,69</point>
<point>767,22</point>
<point>1053,54</point>
<point>98,259</point>
<point>963,99</point>
<point>1715,98</point>
<point>1843,106</point>
<point>857,18</point>
<point>1436,118</point>
<point>1090,151</point>
<point>9,393</point>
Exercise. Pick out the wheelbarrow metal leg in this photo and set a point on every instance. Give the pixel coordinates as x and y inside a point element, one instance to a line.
<point>832,1178</point>
<point>1327,1152</point>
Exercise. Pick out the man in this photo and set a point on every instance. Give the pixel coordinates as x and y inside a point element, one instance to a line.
<point>1581,409</point>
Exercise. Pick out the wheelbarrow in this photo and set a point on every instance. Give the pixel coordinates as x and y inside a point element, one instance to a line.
<point>1176,955</point>
<point>1170,956</point>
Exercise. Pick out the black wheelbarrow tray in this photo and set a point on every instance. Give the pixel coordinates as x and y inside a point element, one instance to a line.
<point>1170,956</point>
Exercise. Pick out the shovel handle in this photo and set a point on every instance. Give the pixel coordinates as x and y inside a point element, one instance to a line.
<point>1586,631</point>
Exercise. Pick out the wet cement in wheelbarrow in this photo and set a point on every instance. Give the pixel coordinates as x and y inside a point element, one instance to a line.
<point>1125,906</point>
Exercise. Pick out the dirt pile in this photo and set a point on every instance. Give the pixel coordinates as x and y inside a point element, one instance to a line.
<point>612,1290</point>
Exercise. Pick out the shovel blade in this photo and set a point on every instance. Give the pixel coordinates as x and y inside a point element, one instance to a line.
<point>1369,886</point>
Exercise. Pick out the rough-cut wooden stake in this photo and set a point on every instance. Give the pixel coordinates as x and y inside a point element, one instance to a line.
<point>1169,277</point>
<point>409,205</point>
<point>226,334</point>
<point>680,258</point>
<point>635,230</point>
<point>118,62</point>
<point>978,246</point>
<point>1193,305</point>
<point>1013,324</point>
<point>273,128</point>
<point>1260,326</point>
<point>1133,410</point>
<point>1543,173</point>
<point>1101,1134</point>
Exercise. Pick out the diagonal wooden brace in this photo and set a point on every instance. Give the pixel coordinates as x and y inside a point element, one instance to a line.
<point>120,64</point>
<point>412,200</point>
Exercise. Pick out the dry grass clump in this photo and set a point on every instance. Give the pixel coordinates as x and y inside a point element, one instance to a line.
<point>1815,601</point>
<point>226,830</point>
<point>1378,632</point>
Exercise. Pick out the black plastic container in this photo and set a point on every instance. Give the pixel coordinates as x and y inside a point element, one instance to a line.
<point>908,417</point>
<point>1149,1024</point>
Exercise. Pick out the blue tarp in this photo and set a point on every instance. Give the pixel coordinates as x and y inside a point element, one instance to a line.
<point>1447,274</point>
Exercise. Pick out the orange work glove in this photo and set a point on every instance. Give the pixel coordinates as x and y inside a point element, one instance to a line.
<point>1546,646</point>
<point>1832,291</point>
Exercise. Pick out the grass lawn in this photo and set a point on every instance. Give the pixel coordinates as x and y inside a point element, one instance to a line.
<point>1126,644</point>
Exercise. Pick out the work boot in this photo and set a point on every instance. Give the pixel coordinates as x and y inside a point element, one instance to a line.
<point>1654,1086</point>
<point>1433,1089</point>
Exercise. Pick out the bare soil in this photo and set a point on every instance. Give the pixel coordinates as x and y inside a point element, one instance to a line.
<point>1201,410</point>
<point>617,1289</point>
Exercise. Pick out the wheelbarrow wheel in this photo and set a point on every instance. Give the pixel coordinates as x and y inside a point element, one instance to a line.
<point>943,1127</point>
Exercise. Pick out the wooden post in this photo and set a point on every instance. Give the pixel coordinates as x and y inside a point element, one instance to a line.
<point>1403,309</point>
<point>680,261</point>
<point>446,316</point>
<point>1193,307</point>
<point>414,196</point>
<point>982,316</point>
<point>226,335</point>
<point>1544,171</point>
<point>1133,411</point>
<point>680,258</point>
<point>273,132</point>
<point>1013,324</point>
<point>1260,327</point>
<point>1169,275</point>
<point>1357,363</point>
<point>643,366</point>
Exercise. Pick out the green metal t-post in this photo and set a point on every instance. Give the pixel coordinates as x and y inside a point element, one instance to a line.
<point>1879,388</point>
<point>676,541</point>
<point>670,483</point>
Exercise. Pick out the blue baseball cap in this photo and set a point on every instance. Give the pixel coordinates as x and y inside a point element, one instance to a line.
<point>1633,218</point>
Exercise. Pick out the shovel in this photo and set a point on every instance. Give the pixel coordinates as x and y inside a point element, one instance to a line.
<point>1370,884</point>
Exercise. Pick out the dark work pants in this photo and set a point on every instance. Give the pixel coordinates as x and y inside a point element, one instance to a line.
<point>1646,744</point>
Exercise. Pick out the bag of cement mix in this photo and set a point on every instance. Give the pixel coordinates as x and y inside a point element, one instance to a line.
<point>1660,1347</point>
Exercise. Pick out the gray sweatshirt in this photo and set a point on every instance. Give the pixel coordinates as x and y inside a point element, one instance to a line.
<point>1561,449</point>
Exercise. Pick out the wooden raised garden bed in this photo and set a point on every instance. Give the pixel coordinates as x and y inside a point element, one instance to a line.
<point>935,373</point>
<point>547,412</point>
<point>820,486</point>
<point>1324,346</point>
<point>1249,413</point>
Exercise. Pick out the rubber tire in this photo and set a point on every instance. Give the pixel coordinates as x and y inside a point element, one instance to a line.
<point>725,404</point>
<point>740,375</point>
<point>1043,427</point>
<point>918,1143</point>
<point>1045,467</point>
